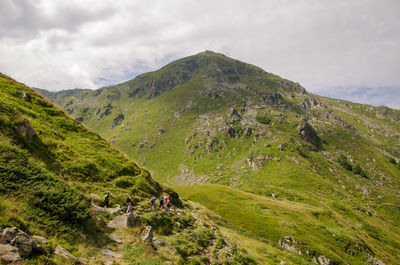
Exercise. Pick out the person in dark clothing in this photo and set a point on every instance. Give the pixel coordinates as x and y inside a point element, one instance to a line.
<point>107,200</point>
<point>161,200</point>
<point>129,202</point>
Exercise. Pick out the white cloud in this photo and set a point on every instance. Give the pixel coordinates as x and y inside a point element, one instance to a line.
<point>56,44</point>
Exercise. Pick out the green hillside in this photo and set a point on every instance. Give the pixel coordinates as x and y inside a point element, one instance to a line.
<point>332,166</point>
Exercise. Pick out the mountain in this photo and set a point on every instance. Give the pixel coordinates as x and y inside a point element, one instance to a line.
<point>54,96</point>
<point>54,173</point>
<point>313,175</point>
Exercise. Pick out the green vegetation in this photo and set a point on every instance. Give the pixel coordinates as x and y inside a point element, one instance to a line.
<point>263,119</point>
<point>208,118</point>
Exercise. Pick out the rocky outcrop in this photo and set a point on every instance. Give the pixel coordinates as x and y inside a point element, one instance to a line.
<point>25,129</point>
<point>16,245</point>
<point>231,132</point>
<point>322,260</point>
<point>308,134</point>
<point>147,234</point>
<point>290,244</point>
<point>118,120</point>
<point>234,117</point>
<point>133,220</point>
<point>125,220</point>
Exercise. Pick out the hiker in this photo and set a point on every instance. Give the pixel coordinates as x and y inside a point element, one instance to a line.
<point>168,203</point>
<point>153,201</point>
<point>129,202</point>
<point>107,200</point>
<point>161,200</point>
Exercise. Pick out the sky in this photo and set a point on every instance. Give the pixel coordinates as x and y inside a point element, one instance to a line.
<point>348,49</point>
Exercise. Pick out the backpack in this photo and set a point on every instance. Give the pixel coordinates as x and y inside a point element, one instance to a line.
<point>128,200</point>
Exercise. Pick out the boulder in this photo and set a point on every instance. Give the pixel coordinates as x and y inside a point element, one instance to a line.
<point>19,239</point>
<point>40,239</point>
<point>133,220</point>
<point>60,251</point>
<point>125,220</point>
<point>9,254</point>
<point>158,242</point>
<point>147,234</point>
<point>26,130</point>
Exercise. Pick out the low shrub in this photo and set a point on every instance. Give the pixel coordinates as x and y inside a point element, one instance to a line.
<point>263,119</point>
<point>345,163</point>
<point>124,182</point>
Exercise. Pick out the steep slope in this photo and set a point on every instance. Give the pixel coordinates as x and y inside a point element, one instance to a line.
<point>208,118</point>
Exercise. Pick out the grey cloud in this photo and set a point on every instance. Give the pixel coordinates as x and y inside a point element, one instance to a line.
<point>24,19</point>
<point>321,44</point>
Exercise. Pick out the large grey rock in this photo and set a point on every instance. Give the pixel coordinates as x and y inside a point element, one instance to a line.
<point>158,242</point>
<point>133,220</point>
<point>110,253</point>
<point>98,210</point>
<point>41,240</point>
<point>19,239</point>
<point>26,130</point>
<point>147,234</point>
<point>60,251</point>
<point>9,254</point>
<point>119,221</point>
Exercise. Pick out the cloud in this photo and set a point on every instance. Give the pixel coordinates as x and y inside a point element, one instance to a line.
<point>376,96</point>
<point>57,44</point>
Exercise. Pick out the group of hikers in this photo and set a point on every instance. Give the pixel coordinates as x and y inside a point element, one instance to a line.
<point>164,202</point>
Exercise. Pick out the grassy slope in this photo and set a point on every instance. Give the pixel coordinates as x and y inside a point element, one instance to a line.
<point>335,229</point>
<point>45,181</point>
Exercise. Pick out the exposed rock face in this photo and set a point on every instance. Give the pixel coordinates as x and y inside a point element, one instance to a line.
<point>125,220</point>
<point>234,117</point>
<point>40,239</point>
<point>373,261</point>
<point>231,132</point>
<point>322,260</point>
<point>25,96</point>
<point>133,220</point>
<point>60,251</point>
<point>9,254</point>
<point>118,120</point>
<point>308,134</point>
<point>158,242</point>
<point>16,245</point>
<point>26,130</point>
<point>290,244</point>
<point>147,234</point>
